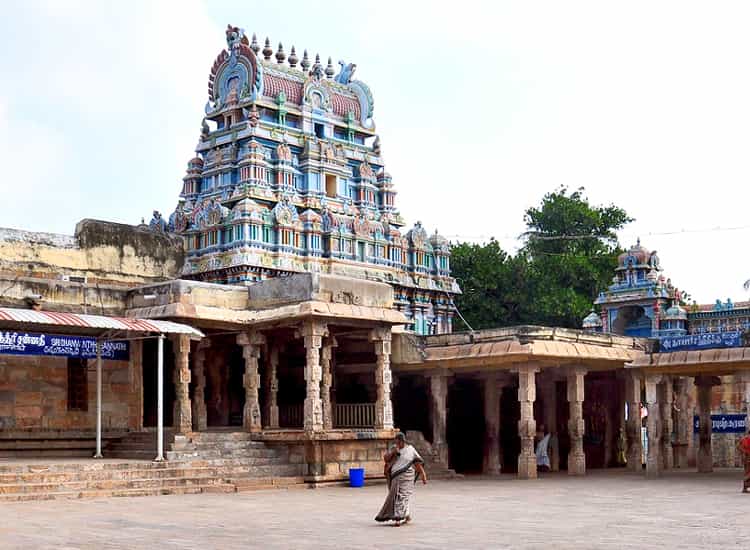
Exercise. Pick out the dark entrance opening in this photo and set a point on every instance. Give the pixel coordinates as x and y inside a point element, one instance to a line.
<point>563,414</point>
<point>236,387</point>
<point>292,386</point>
<point>465,426</point>
<point>225,391</point>
<point>411,406</point>
<point>510,414</point>
<point>150,374</point>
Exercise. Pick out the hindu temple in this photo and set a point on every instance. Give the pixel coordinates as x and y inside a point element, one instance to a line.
<point>280,326</point>
<point>289,177</point>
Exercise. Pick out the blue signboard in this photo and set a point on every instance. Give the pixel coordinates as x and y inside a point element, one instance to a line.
<point>52,345</point>
<point>724,423</point>
<point>707,340</point>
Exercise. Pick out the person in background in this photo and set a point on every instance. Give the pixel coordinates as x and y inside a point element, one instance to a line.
<point>542,450</point>
<point>744,447</point>
<point>403,467</point>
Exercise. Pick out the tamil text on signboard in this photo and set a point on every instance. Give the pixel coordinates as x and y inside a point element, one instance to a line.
<point>708,340</point>
<point>724,423</point>
<point>28,343</point>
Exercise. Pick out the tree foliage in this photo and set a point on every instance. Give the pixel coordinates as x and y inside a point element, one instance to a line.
<point>569,255</point>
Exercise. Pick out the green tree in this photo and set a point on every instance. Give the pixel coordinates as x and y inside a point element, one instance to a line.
<point>569,256</point>
<point>494,285</point>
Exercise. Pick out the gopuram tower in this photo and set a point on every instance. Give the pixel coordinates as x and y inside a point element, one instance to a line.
<point>288,177</point>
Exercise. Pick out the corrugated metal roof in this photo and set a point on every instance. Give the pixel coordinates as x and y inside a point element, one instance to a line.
<point>53,318</point>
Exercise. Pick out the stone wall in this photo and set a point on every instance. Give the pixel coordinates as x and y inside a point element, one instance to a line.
<point>88,272</point>
<point>328,459</point>
<point>34,393</point>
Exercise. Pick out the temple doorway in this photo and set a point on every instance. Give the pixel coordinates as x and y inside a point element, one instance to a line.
<point>149,371</point>
<point>510,443</point>
<point>465,425</point>
<point>604,415</point>
<point>411,405</point>
<point>225,391</point>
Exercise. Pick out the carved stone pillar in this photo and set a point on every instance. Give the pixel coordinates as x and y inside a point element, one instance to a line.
<point>313,333</point>
<point>667,454</point>
<point>549,397</point>
<point>653,426</point>
<point>635,441</point>
<point>182,421</point>
<point>326,363</point>
<point>683,427</point>
<point>576,425</point>
<point>272,387</point>
<point>200,416</point>
<point>527,424</point>
<point>381,338</point>
<point>438,404</point>
<point>491,463</point>
<point>251,343</point>
<point>705,457</point>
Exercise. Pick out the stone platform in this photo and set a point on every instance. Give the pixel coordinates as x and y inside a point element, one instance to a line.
<point>611,509</point>
<point>47,479</point>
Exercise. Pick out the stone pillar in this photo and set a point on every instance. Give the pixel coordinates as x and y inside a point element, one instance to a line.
<point>667,424</point>
<point>313,333</point>
<point>200,416</point>
<point>527,424</point>
<point>635,441</point>
<point>326,360</point>
<point>549,398</point>
<point>705,457</point>
<point>576,425</point>
<point>746,399</point>
<point>491,463</point>
<point>182,421</point>
<point>251,343</point>
<point>438,403</point>
<point>381,338</point>
<point>272,385</point>
<point>683,426</point>
<point>653,426</point>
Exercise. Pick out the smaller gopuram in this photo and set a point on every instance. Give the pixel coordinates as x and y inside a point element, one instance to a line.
<point>640,302</point>
<point>289,177</point>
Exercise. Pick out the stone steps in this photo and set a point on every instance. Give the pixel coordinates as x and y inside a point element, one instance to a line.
<point>185,490</point>
<point>202,462</point>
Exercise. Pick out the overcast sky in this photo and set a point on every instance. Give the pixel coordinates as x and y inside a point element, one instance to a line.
<point>482,108</point>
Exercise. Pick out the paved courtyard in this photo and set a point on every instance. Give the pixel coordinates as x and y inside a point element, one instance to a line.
<point>603,510</point>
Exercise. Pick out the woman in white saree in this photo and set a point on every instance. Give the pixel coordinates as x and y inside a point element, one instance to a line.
<point>403,467</point>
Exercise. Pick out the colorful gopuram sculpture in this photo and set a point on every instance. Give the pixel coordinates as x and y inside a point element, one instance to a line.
<point>288,177</point>
<point>640,301</point>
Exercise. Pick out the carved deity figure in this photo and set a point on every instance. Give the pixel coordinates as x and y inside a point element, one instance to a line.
<point>158,222</point>
<point>345,73</point>
<point>283,152</point>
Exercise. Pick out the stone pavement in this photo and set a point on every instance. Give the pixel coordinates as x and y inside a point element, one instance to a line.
<point>601,510</point>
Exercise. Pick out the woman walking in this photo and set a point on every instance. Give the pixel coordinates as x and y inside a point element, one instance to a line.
<point>403,467</point>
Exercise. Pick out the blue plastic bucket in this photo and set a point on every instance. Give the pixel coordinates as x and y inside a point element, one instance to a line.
<point>356,477</point>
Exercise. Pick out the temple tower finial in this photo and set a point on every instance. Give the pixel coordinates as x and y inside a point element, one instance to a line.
<point>280,55</point>
<point>329,69</point>
<point>293,58</point>
<point>254,45</point>
<point>267,50</point>
<point>305,64</point>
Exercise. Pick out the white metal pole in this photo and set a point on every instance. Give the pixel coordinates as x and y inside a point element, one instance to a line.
<point>98,399</point>
<point>160,399</point>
